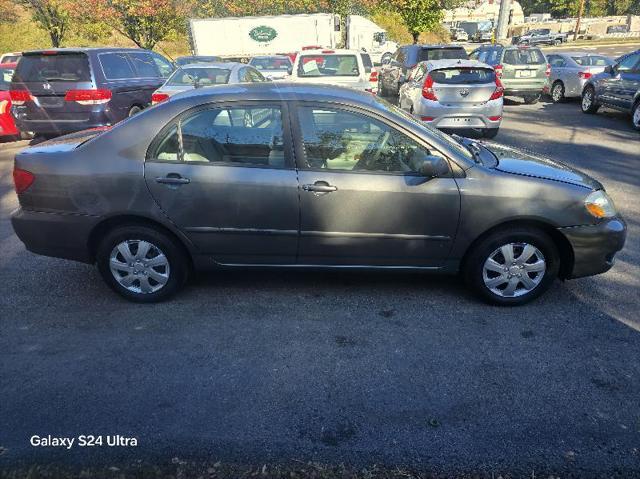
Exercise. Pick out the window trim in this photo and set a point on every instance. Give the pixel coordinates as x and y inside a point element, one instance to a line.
<point>300,156</point>
<point>289,163</point>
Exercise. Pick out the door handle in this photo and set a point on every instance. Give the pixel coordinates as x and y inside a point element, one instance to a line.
<point>173,179</point>
<point>320,187</point>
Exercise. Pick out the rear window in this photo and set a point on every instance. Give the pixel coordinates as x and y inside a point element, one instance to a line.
<point>426,54</point>
<point>145,65</point>
<point>197,59</point>
<point>319,65</point>
<point>592,61</point>
<point>5,78</point>
<point>203,76</point>
<point>469,76</point>
<point>10,59</point>
<point>523,57</point>
<point>67,67</point>
<point>271,63</point>
<point>115,66</point>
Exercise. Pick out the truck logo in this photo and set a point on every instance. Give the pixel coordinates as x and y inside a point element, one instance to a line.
<point>263,34</point>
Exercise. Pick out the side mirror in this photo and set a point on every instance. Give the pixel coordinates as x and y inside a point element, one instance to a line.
<point>430,166</point>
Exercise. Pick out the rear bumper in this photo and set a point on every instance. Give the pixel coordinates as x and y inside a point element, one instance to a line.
<point>53,126</point>
<point>457,116</point>
<point>7,126</point>
<point>595,246</point>
<point>58,235</point>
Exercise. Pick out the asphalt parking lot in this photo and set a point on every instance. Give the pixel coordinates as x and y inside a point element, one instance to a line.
<point>399,369</point>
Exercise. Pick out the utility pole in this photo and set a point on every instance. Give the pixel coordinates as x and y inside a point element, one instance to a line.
<point>503,20</point>
<point>580,11</point>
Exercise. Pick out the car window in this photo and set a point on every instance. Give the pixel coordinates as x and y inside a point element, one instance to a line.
<point>474,55</point>
<point>319,65</point>
<point>523,57</point>
<point>169,147</point>
<point>67,67</point>
<point>468,76</point>
<point>163,65</point>
<point>250,136</point>
<point>144,65</point>
<point>271,63</point>
<point>417,73</point>
<point>366,61</point>
<point>341,140</point>
<point>203,76</point>
<point>115,66</point>
<point>254,76</point>
<point>627,64</point>
<point>426,54</point>
<point>556,61</point>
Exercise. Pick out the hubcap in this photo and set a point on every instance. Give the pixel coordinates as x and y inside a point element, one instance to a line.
<point>586,100</point>
<point>139,266</point>
<point>514,269</point>
<point>557,92</point>
<point>636,117</point>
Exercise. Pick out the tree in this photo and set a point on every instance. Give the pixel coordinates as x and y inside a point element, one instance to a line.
<point>419,15</point>
<point>7,11</point>
<point>52,16</point>
<point>144,22</point>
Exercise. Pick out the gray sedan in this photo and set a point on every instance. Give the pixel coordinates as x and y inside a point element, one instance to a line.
<point>198,75</point>
<point>570,72</point>
<point>287,176</point>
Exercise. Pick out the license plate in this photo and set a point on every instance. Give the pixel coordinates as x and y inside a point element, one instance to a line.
<point>525,73</point>
<point>50,101</point>
<point>460,120</point>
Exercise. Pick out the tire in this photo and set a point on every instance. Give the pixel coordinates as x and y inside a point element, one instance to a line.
<point>382,91</point>
<point>557,42</point>
<point>531,99</point>
<point>490,132</point>
<point>588,103</point>
<point>635,116</point>
<point>557,92</point>
<point>479,271</point>
<point>138,271</point>
<point>135,109</point>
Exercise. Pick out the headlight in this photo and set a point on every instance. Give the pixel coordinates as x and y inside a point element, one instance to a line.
<point>600,205</point>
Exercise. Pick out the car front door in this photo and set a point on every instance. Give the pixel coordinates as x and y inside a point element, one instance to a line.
<point>617,88</point>
<point>224,175</point>
<point>361,202</point>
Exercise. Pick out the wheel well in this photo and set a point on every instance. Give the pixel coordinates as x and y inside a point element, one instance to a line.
<point>565,251</point>
<point>101,229</point>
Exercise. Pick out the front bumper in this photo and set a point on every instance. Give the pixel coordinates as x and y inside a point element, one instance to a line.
<point>594,246</point>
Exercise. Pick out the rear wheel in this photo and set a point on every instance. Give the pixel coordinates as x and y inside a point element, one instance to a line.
<point>557,92</point>
<point>512,266</point>
<point>635,116</point>
<point>588,103</point>
<point>531,99</point>
<point>141,263</point>
<point>135,109</point>
<point>490,132</point>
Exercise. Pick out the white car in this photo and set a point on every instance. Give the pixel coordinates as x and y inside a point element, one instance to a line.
<point>332,67</point>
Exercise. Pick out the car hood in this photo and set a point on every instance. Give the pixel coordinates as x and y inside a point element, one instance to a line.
<point>518,162</point>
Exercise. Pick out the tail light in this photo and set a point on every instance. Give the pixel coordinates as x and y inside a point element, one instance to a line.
<point>585,75</point>
<point>89,97</point>
<point>499,91</point>
<point>547,72</point>
<point>22,179</point>
<point>159,98</point>
<point>498,69</point>
<point>427,89</point>
<point>19,97</point>
<point>426,118</point>
<point>495,118</point>
<point>328,51</point>
<point>373,77</point>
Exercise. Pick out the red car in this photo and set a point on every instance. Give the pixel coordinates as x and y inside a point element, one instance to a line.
<point>7,126</point>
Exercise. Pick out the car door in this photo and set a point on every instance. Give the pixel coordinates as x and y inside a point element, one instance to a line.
<point>224,175</point>
<point>361,203</point>
<point>629,85</point>
<point>615,88</point>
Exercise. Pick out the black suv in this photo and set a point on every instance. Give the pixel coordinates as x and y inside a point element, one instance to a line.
<point>394,72</point>
<point>64,90</point>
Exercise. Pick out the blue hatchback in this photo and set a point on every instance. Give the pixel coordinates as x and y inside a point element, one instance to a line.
<point>64,90</point>
<point>617,87</point>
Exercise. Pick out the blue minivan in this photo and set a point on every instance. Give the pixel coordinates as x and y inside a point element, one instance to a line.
<point>64,90</point>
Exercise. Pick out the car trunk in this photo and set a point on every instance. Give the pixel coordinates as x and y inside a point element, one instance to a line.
<point>463,86</point>
<point>524,69</point>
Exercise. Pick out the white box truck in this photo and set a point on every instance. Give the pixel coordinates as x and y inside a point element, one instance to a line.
<point>244,37</point>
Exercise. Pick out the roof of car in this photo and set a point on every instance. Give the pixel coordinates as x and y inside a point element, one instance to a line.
<point>329,51</point>
<point>449,63</point>
<point>83,50</point>
<point>434,46</point>
<point>279,91</point>
<point>271,56</point>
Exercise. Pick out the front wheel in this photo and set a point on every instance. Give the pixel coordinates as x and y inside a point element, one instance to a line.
<point>588,103</point>
<point>512,266</point>
<point>635,116</point>
<point>141,263</point>
<point>531,99</point>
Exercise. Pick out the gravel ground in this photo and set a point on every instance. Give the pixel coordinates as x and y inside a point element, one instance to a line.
<point>396,369</point>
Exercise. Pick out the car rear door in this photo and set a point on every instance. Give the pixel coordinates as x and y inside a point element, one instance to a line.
<point>360,202</point>
<point>224,175</point>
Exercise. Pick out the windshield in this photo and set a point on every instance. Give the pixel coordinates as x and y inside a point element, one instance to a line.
<point>203,76</point>
<point>5,78</point>
<point>523,57</point>
<point>318,65</point>
<point>271,63</point>
<point>67,67</point>
<point>469,76</point>
<point>442,54</point>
